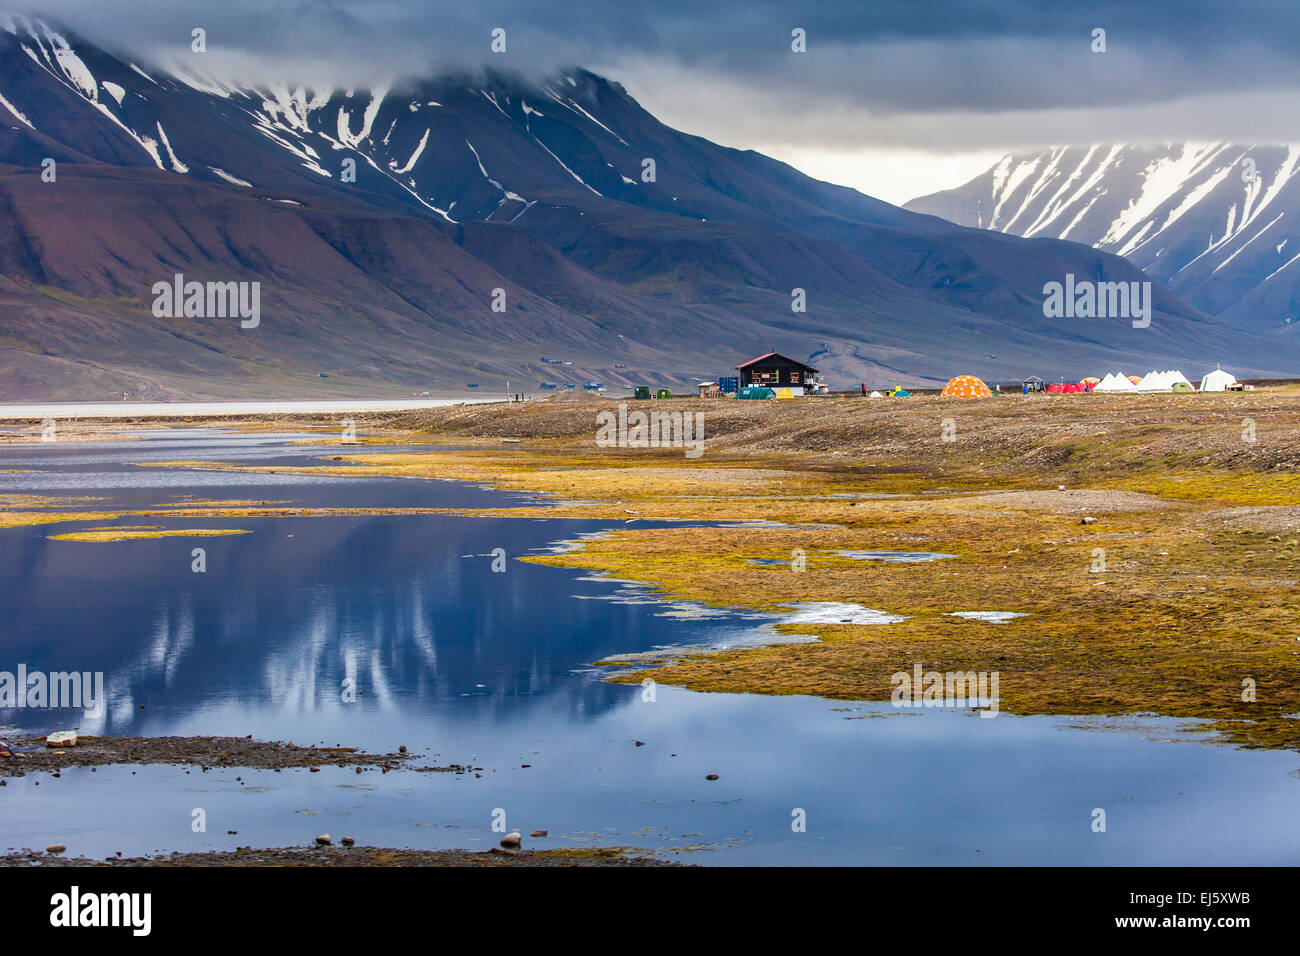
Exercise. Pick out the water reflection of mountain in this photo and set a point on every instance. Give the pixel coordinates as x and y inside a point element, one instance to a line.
<point>407,606</point>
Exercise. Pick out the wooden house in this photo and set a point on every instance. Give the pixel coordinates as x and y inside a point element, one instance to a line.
<point>777,371</point>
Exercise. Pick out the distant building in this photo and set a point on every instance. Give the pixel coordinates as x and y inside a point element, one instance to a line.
<point>709,390</point>
<point>775,371</point>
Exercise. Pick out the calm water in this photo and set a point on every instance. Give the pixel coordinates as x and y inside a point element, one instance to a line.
<point>465,665</point>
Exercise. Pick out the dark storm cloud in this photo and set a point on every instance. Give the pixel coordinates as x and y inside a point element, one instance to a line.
<point>904,55</point>
<point>932,75</point>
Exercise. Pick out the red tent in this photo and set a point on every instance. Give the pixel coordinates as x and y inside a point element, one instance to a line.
<point>1069,388</point>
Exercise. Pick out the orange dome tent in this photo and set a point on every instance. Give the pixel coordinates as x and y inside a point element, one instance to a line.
<point>965,386</point>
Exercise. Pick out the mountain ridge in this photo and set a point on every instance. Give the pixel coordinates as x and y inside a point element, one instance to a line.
<point>464,187</point>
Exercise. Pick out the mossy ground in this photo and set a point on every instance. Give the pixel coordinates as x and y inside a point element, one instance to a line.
<point>100,535</point>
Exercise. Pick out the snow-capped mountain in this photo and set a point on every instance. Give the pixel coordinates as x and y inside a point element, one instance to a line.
<point>385,225</point>
<point>1217,223</point>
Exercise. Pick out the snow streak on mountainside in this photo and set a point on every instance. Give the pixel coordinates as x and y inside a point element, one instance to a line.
<point>1218,223</point>
<point>382,224</point>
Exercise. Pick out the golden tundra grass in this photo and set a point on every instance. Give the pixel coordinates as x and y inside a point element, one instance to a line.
<point>100,535</point>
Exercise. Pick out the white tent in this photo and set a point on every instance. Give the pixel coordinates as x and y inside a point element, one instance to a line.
<point>1115,382</point>
<point>876,395</point>
<point>1154,381</point>
<point>1217,381</point>
<point>1162,381</point>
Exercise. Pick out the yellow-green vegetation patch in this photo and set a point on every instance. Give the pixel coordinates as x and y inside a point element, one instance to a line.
<point>220,504</point>
<point>42,501</point>
<point>132,534</point>
<point>18,519</point>
<point>126,527</point>
<point>1280,488</point>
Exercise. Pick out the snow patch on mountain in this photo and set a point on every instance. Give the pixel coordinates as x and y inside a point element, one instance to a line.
<point>293,107</point>
<point>562,166</point>
<point>233,180</point>
<point>204,84</point>
<point>73,67</point>
<point>415,156</point>
<point>578,108</point>
<point>14,110</point>
<point>177,165</point>
<point>367,119</point>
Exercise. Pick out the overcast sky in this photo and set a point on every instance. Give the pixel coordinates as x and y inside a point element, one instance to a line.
<point>894,97</point>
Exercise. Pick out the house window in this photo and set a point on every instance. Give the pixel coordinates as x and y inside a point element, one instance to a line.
<point>795,378</point>
<point>765,376</point>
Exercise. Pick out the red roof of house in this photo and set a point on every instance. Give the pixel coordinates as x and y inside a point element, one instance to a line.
<point>778,355</point>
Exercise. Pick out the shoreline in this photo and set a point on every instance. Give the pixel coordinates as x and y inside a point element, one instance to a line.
<point>354,856</point>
